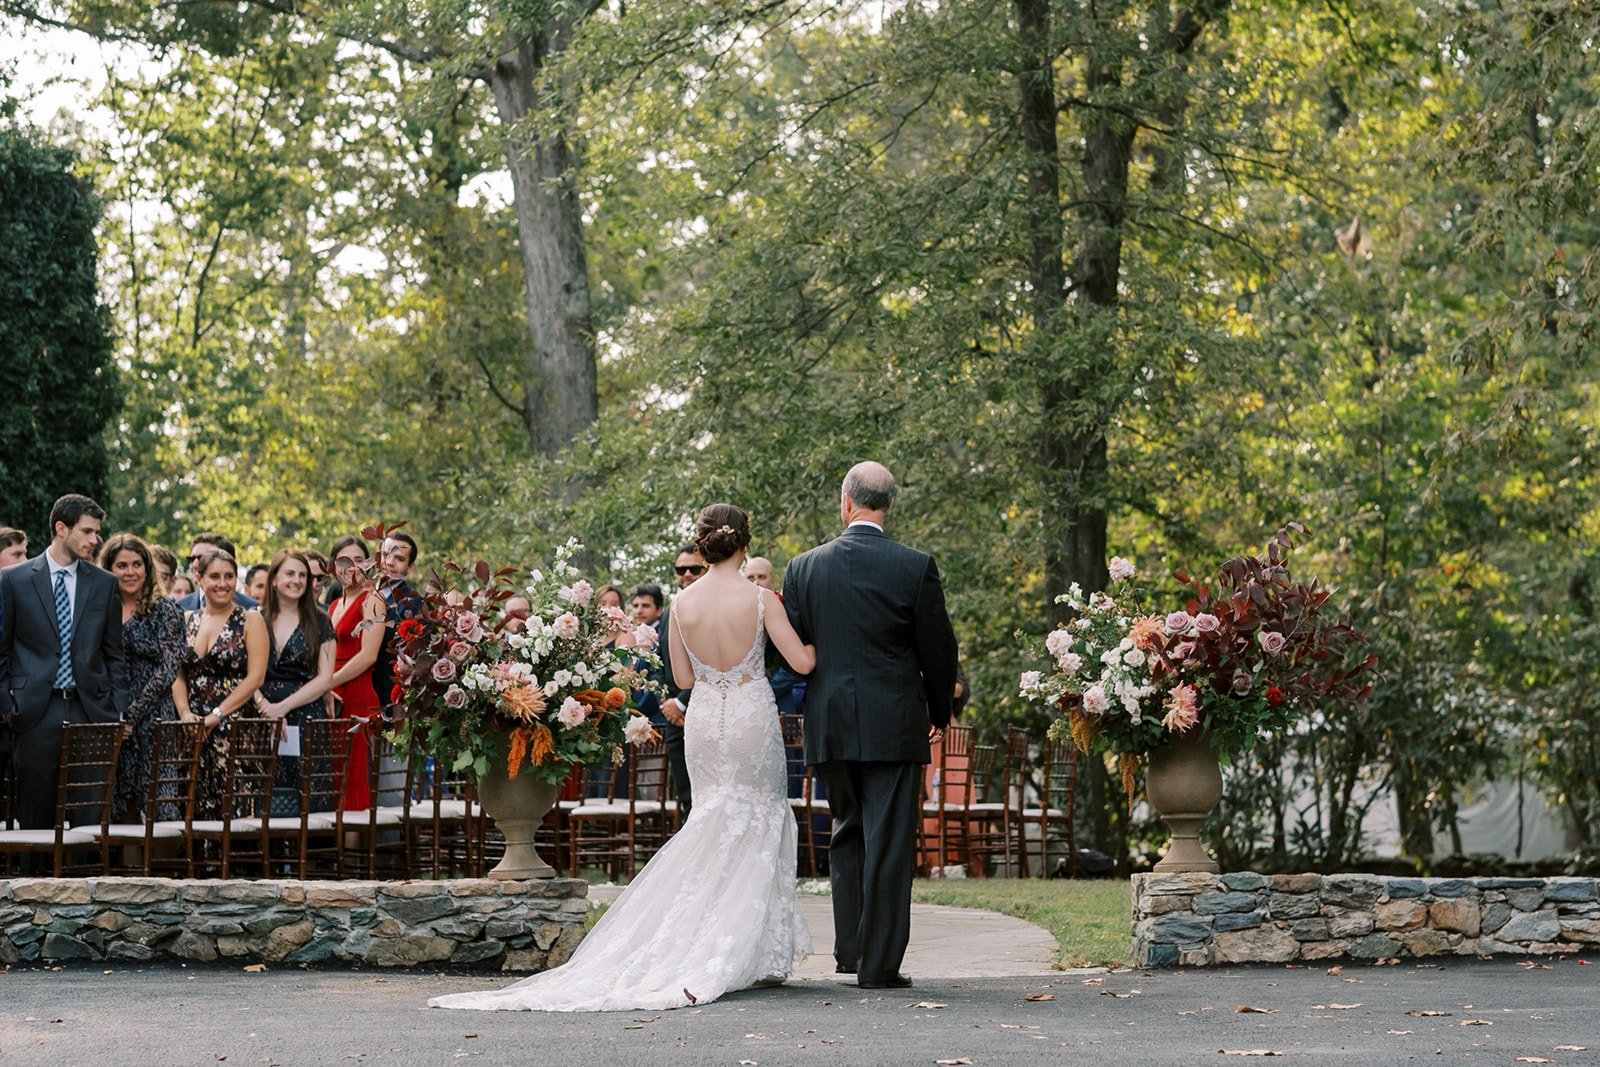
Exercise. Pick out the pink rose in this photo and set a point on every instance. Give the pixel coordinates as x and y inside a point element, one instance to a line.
<point>455,697</point>
<point>466,622</point>
<point>572,713</point>
<point>1095,701</point>
<point>645,636</point>
<point>1058,642</point>
<point>444,669</point>
<point>1272,642</point>
<point>1242,681</point>
<point>460,651</point>
<point>1178,622</point>
<point>581,593</point>
<point>566,625</point>
<point>1030,680</point>
<point>1207,623</point>
<point>1121,569</point>
<point>1071,662</point>
<point>638,730</point>
<point>616,618</point>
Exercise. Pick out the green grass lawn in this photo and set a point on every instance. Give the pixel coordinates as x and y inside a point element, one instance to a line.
<point>1089,919</point>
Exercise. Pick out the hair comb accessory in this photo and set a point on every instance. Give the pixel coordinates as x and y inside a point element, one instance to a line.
<point>725,528</point>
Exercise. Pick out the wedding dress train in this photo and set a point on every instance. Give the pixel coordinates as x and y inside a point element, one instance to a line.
<point>715,910</point>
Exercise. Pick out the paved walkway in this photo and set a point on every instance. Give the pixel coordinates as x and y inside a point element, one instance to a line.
<point>945,942</point>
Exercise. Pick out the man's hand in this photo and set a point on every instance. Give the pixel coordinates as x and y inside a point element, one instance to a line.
<point>935,735</point>
<point>672,711</point>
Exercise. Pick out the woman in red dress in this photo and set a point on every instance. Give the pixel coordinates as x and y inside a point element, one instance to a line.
<point>358,618</point>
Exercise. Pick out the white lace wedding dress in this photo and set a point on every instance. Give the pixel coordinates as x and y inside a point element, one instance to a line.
<point>715,910</point>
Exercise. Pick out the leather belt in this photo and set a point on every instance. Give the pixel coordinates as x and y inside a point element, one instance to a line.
<point>64,694</point>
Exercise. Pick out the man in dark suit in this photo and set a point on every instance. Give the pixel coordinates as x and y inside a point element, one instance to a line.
<point>204,543</point>
<point>886,668</point>
<point>60,651</point>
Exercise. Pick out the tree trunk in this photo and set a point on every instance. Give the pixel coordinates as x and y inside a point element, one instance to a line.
<point>559,400</point>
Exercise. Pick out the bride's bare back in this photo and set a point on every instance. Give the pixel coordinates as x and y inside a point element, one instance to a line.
<point>717,616</point>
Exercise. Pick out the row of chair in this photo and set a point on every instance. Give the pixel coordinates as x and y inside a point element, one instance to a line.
<point>981,807</point>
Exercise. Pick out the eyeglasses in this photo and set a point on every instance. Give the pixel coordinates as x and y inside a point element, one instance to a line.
<point>693,568</point>
<point>348,563</point>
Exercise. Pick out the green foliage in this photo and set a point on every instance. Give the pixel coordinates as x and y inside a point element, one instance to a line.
<point>62,389</point>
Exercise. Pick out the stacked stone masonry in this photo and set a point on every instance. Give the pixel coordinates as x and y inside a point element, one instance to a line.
<point>477,924</point>
<point>1196,920</point>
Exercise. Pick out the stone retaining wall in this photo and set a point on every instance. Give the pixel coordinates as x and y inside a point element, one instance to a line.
<point>1202,919</point>
<point>472,923</point>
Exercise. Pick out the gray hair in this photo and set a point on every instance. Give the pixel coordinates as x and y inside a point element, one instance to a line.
<point>870,486</point>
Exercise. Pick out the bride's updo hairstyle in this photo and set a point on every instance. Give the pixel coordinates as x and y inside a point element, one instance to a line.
<point>723,530</point>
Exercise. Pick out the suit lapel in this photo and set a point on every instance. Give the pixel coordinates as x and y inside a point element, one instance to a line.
<point>85,585</point>
<point>41,585</point>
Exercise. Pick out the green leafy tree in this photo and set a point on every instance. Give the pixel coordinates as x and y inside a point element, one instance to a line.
<point>55,345</point>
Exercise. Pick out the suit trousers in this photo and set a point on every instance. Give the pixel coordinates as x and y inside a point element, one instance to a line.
<point>872,860</point>
<point>678,763</point>
<point>37,760</point>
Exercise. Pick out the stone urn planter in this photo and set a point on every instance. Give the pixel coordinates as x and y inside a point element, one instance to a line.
<point>1184,782</point>
<point>518,809</point>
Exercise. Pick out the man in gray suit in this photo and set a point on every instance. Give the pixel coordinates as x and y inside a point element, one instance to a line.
<point>60,652</point>
<point>886,669</point>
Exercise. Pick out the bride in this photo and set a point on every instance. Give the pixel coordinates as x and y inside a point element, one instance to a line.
<point>715,910</point>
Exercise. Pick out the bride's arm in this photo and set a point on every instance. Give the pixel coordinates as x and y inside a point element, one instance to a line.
<point>682,669</point>
<point>801,657</point>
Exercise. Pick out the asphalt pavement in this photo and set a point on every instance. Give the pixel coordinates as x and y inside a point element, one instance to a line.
<point>1449,1012</point>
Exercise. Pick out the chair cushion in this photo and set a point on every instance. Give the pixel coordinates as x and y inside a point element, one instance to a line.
<point>216,826</point>
<point>355,820</point>
<point>448,809</point>
<point>45,837</point>
<point>987,807</point>
<point>287,824</point>
<point>135,831</point>
<point>1034,813</point>
<point>614,809</point>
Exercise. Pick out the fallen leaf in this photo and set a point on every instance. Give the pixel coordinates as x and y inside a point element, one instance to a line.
<point>1094,981</point>
<point>1427,1014</point>
<point>1399,1032</point>
<point>255,968</point>
<point>1248,1052</point>
<point>1042,996</point>
<point>1342,1007</point>
<point>1572,1048</point>
<point>929,1004</point>
<point>1533,1059</point>
<point>1532,965</point>
<point>1119,996</point>
<point>1335,970</point>
<point>962,1062</point>
<point>1476,1022</point>
<point>1246,1009</point>
<point>747,1063</point>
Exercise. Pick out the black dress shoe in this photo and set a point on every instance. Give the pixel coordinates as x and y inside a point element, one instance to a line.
<point>844,968</point>
<point>894,981</point>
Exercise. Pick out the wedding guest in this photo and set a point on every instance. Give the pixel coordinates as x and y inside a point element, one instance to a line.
<point>300,664</point>
<point>609,596</point>
<point>204,544</point>
<point>224,665</point>
<point>687,568</point>
<point>396,557</point>
<point>758,569</point>
<point>13,547</point>
<point>516,610</point>
<point>645,605</point>
<point>179,586</point>
<point>166,566</point>
<point>323,588</point>
<point>153,653</point>
<point>255,583</point>
<point>358,626</point>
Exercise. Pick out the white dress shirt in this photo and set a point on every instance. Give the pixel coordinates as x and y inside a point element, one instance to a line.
<point>71,572</point>
<point>866,522</point>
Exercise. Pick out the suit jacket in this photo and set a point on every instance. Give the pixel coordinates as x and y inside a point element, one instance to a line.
<point>664,650</point>
<point>197,600</point>
<point>886,654</point>
<point>401,602</point>
<point>30,647</point>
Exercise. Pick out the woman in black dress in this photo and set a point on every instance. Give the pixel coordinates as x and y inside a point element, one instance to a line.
<point>152,640</point>
<point>224,665</point>
<point>300,666</point>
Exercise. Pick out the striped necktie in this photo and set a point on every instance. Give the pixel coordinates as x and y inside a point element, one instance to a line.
<point>64,628</point>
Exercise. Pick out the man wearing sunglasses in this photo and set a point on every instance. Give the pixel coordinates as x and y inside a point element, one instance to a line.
<point>686,569</point>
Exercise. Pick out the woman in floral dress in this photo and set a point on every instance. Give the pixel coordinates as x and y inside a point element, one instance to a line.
<point>152,640</point>
<point>225,663</point>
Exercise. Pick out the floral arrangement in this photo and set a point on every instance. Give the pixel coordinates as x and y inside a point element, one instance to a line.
<point>555,694</point>
<point>1243,657</point>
